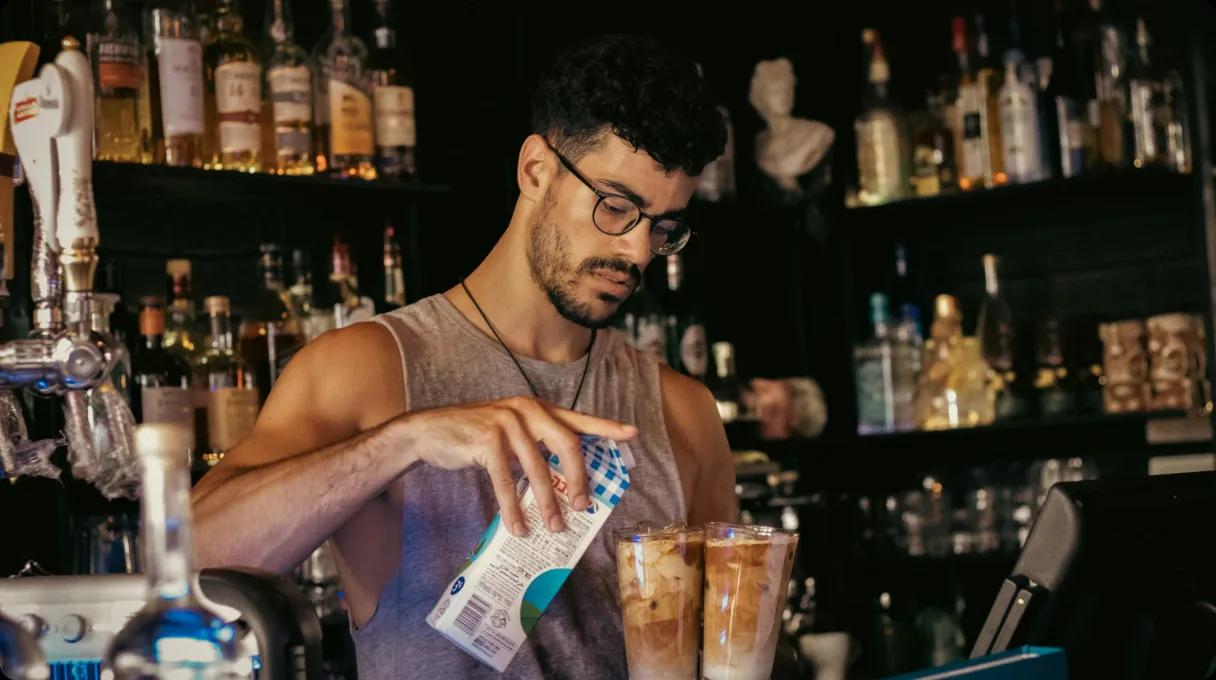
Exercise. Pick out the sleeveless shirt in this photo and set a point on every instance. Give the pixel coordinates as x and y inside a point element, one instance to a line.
<point>447,360</point>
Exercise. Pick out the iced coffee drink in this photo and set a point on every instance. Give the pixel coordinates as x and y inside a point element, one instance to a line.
<point>660,577</point>
<point>747,569</point>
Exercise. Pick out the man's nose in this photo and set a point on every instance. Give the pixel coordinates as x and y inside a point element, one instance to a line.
<point>638,243</point>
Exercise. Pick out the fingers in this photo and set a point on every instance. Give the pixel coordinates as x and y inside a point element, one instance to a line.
<point>602,427</point>
<point>503,482</point>
<point>523,445</point>
<point>564,442</point>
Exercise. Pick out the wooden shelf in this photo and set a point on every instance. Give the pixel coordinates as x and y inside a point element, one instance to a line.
<point>167,183</point>
<point>882,460</point>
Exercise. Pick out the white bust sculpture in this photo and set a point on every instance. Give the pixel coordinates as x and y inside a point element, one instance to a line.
<point>790,147</point>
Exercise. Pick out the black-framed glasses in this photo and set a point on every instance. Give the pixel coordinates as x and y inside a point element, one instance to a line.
<point>616,215</point>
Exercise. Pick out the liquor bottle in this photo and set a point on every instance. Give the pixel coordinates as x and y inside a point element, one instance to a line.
<point>728,394</point>
<point>973,156</point>
<point>234,78</point>
<point>953,390</point>
<point>118,75</point>
<point>173,635</point>
<point>1052,383</point>
<point>687,347</point>
<point>394,273</point>
<point>227,389</point>
<point>1143,88</point>
<point>1064,129</point>
<point>1171,120</point>
<point>880,144</point>
<point>933,155</point>
<point>205,11</point>
<point>351,307</point>
<point>161,380</point>
<point>1019,123</point>
<point>272,331</point>
<point>343,128</point>
<point>178,76</point>
<point>989,77</point>
<point>645,324</point>
<point>392,82</point>
<point>874,369</point>
<point>182,336</point>
<point>314,319</point>
<point>908,358</point>
<point>1109,82</point>
<point>288,88</point>
<point>996,335</point>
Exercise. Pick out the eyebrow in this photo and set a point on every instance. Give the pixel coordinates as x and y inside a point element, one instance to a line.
<point>632,195</point>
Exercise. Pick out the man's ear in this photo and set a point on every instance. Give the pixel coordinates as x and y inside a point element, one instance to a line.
<point>536,168</point>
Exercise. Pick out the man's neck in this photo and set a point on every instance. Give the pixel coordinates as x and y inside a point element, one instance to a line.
<point>521,312</point>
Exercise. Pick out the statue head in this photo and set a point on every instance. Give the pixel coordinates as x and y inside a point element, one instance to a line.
<point>772,92</point>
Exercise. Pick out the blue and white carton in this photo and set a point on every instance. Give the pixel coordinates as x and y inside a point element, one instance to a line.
<point>508,582</point>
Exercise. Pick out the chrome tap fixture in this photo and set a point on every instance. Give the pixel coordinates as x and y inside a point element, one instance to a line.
<point>51,118</point>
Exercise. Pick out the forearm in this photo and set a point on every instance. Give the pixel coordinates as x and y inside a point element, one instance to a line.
<point>272,516</point>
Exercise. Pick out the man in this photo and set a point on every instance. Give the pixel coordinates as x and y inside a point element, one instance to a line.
<point>398,439</point>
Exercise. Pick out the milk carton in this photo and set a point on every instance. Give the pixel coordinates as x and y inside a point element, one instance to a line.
<point>491,605</point>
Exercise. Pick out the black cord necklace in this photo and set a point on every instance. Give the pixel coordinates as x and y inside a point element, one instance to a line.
<point>518,365</point>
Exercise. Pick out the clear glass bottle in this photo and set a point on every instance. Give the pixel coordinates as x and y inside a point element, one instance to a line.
<point>880,129</point>
<point>173,635</point>
<point>343,129</point>
<point>972,157</point>
<point>289,96</point>
<point>392,81</point>
<point>161,379</point>
<point>182,335</point>
<point>177,70</point>
<point>1020,134</point>
<point>989,76</point>
<point>1111,85</point>
<point>953,390</point>
<point>234,78</point>
<point>874,372</point>
<point>228,388</point>
<point>394,272</point>
<point>271,332</point>
<point>119,67</point>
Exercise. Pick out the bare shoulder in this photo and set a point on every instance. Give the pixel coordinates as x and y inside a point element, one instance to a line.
<point>698,437</point>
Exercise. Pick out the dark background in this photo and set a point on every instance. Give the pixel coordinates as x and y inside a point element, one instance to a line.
<point>790,293</point>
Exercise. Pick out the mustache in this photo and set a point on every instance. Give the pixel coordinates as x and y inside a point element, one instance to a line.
<point>620,265</point>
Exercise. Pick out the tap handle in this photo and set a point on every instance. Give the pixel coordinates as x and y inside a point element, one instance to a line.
<point>76,225</point>
<point>36,117</point>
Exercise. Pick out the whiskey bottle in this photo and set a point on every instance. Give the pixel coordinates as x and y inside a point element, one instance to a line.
<point>228,390</point>
<point>178,67</point>
<point>118,76</point>
<point>234,76</point>
<point>161,380</point>
<point>880,142</point>
<point>182,336</point>
<point>343,107</point>
<point>393,95</point>
<point>288,118</point>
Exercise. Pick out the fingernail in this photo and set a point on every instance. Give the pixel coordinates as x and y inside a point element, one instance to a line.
<point>555,523</point>
<point>581,501</point>
<point>519,528</point>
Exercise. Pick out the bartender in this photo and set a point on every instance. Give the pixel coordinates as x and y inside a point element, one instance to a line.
<point>398,439</point>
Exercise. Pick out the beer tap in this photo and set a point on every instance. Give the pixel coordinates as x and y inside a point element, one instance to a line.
<point>51,118</point>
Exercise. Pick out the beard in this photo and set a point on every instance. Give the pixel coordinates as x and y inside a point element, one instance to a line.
<point>548,261</point>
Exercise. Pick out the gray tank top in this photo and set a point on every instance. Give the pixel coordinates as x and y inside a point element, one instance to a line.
<point>447,360</point>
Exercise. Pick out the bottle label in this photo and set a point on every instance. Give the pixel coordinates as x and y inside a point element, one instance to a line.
<point>231,414</point>
<point>394,116</point>
<point>291,94</point>
<point>1020,135</point>
<point>168,405</point>
<point>694,351</point>
<point>238,98</point>
<point>117,67</point>
<point>880,158</point>
<point>180,62</point>
<point>351,127</point>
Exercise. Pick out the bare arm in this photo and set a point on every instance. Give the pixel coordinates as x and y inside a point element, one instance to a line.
<point>323,447</point>
<point>694,427</point>
<point>331,438</point>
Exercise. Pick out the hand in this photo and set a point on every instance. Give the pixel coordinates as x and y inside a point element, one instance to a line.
<point>493,434</point>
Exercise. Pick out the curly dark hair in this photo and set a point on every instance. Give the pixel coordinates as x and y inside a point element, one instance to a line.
<point>639,89</point>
